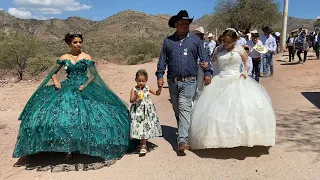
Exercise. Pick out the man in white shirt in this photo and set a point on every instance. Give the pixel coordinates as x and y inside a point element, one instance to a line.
<point>211,44</point>
<point>255,55</point>
<point>241,41</point>
<point>267,59</point>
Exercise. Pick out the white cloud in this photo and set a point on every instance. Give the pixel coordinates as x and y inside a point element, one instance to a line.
<point>20,13</point>
<point>51,6</point>
<point>24,14</point>
<point>1,9</point>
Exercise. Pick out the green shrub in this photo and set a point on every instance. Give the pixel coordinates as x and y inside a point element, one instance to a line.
<point>22,52</point>
<point>145,47</point>
<point>39,64</point>
<point>138,59</point>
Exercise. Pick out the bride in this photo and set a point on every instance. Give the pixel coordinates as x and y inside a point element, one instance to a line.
<point>233,110</point>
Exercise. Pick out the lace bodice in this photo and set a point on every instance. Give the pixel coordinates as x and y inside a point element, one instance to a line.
<point>229,62</point>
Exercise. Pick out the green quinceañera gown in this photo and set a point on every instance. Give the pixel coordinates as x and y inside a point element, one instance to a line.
<point>94,122</point>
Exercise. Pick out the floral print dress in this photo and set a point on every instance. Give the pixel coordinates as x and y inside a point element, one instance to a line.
<point>145,123</point>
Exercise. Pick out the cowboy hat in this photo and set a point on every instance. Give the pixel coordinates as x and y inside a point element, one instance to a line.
<point>277,34</point>
<point>198,30</point>
<point>254,33</point>
<point>183,14</point>
<point>210,35</point>
<point>260,49</point>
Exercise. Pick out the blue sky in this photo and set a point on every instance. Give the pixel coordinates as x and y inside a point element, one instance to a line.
<point>101,9</point>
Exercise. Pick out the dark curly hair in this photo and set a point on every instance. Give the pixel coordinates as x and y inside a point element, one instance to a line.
<point>71,35</point>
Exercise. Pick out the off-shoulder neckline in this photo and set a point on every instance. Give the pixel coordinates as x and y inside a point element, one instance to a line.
<point>83,59</point>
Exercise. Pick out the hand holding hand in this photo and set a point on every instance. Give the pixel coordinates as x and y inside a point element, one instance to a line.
<point>207,80</point>
<point>80,88</point>
<point>160,82</point>
<point>204,64</point>
<point>57,85</point>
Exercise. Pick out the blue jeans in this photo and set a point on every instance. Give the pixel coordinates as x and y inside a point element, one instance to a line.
<point>256,69</point>
<point>267,63</point>
<point>182,95</point>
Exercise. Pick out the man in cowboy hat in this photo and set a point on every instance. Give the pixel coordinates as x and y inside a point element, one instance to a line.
<point>199,31</point>
<point>255,54</point>
<point>267,59</point>
<point>180,53</point>
<point>212,44</point>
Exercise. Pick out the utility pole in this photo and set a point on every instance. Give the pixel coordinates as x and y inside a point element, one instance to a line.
<point>284,25</point>
<point>216,34</point>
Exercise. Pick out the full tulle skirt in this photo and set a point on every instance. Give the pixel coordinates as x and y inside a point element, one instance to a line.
<point>231,112</point>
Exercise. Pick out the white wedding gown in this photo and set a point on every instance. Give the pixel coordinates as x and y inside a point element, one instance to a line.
<point>232,111</point>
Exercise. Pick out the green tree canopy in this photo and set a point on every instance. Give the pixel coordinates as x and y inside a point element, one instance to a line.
<point>245,14</point>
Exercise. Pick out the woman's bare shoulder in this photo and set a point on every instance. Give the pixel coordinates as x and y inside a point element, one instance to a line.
<point>64,57</point>
<point>87,56</point>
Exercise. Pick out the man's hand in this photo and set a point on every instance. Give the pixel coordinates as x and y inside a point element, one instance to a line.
<point>160,82</point>
<point>204,64</point>
<point>207,80</point>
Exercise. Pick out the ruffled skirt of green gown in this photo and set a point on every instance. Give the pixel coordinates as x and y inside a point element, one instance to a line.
<point>94,122</point>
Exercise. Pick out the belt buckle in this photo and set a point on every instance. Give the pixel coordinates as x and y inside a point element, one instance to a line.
<point>178,79</point>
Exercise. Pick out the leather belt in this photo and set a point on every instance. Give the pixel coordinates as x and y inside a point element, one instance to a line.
<point>182,79</point>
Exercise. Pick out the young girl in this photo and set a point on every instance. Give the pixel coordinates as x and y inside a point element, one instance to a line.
<point>144,120</point>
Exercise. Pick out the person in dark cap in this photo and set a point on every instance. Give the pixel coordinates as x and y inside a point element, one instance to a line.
<point>180,53</point>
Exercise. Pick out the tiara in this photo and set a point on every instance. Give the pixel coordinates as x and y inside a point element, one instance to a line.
<point>234,30</point>
<point>75,33</point>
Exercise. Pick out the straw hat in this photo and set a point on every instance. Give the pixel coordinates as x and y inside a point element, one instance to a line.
<point>260,49</point>
<point>198,30</point>
<point>254,33</point>
<point>210,35</point>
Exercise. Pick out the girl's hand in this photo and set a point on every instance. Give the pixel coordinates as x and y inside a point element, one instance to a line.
<point>80,88</point>
<point>57,85</point>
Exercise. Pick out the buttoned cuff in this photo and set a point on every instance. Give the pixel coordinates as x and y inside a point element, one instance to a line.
<point>207,73</point>
<point>159,76</point>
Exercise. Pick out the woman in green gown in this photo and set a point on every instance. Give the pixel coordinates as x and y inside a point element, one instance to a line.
<point>81,114</point>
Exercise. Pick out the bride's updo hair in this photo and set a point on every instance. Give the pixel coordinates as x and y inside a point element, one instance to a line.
<point>71,35</point>
<point>231,32</point>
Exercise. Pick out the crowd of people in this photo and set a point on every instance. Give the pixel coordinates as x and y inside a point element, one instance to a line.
<point>300,42</point>
<point>215,101</point>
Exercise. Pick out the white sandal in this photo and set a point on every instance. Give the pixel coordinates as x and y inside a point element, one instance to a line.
<point>143,149</point>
